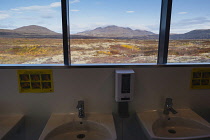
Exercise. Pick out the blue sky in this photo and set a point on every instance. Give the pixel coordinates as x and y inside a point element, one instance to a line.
<point>189,15</point>
<point>89,14</point>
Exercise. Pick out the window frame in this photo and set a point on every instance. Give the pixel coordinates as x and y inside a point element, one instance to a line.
<point>164,33</point>
<point>66,32</point>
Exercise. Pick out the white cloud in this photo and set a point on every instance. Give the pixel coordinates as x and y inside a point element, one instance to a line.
<point>74,1</point>
<point>75,10</point>
<point>30,8</point>
<point>130,11</point>
<point>38,7</point>
<point>187,25</point>
<point>47,16</point>
<point>193,21</point>
<point>140,27</point>
<point>182,13</point>
<point>4,16</point>
<point>7,26</point>
<point>55,4</point>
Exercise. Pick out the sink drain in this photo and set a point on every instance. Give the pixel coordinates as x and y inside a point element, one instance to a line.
<point>80,136</point>
<point>172,131</point>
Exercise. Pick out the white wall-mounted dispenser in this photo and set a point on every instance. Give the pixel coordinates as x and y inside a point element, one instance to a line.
<point>124,85</point>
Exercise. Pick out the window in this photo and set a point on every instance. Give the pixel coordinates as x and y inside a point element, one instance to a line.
<point>31,32</point>
<point>114,31</point>
<point>103,32</point>
<point>190,32</point>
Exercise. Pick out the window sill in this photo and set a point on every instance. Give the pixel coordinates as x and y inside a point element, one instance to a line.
<point>132,65</point>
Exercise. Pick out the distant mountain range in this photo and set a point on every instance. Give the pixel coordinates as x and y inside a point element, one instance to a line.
<point>194,34</point>
<point>115,32</point>
<point>32,31</point>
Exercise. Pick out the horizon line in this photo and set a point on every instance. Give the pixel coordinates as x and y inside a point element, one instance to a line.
<point>100,27</point>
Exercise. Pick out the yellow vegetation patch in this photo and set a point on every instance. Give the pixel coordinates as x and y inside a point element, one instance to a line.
<point>130,47</point>
<point>30,50</point>
<point>104,52</point>
<point>34,50</point>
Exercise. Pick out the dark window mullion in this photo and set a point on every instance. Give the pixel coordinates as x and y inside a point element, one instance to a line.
<point>66,31</point>
<point>164,34</point>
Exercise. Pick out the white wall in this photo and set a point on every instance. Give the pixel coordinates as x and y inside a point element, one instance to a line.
<point>96,87</point>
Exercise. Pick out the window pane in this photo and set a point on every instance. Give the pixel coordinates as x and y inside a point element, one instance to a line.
<point>114,31</point>
<point>190,32</point>
<point>30,32</point>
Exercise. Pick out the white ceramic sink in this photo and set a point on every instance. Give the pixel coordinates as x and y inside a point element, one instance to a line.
<point>9,124</point>
<point>184,125</point>
<point>69,127</point>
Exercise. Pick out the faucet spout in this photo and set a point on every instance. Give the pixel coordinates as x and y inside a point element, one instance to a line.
<point>81,109</point>
<point>168,107</point>
<point>173,111</point>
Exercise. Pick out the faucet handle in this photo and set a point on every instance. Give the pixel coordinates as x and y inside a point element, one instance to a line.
<point>169,99</point>
<point>80,104</point>
<point>169,102</point>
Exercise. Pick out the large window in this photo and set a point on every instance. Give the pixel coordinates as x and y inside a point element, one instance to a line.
<point>103,32</point>
<point>31,32</point>
<point>114,31</point>
<point>190,32</point>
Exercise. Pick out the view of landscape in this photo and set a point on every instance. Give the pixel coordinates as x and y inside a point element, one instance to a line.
<point>190,32</point>
<point>30,33</point>
<point>30,45</point>
<point>111,44</point>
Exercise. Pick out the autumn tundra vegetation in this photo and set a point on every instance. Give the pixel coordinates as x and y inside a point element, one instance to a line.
<point>48,49</point>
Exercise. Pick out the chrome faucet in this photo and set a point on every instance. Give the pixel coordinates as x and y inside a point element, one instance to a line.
<point>81,109</point>
<point>168,107</point>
